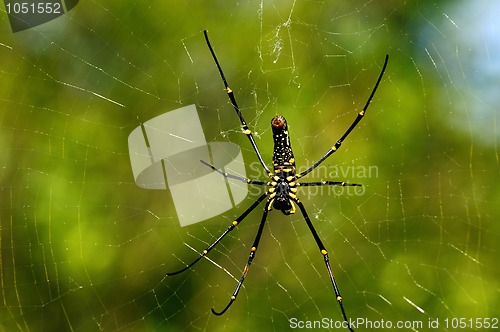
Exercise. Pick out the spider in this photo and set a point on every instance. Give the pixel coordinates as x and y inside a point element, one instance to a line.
<point>282,185</point>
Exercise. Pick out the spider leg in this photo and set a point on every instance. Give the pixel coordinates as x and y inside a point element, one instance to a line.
<point>353,125</point>
<point>249,262</point>
<point>327,183</point>
<point>230,94</point>
<point>230,228</point>
<point>236,177</point>
<point>326,259</point>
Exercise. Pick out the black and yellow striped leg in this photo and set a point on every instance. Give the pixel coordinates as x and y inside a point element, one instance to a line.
<point>229,229</point>
<point>328,183</point>
<point>249,262</point>
<point>326,259</point>
<point>230,94</point>
<point>360,115</point>
<point>236,177</point>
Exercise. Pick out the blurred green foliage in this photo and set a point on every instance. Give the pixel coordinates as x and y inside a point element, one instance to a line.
<point>83,248</point>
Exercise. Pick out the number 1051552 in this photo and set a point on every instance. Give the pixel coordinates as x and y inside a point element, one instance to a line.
<point>34,8</point>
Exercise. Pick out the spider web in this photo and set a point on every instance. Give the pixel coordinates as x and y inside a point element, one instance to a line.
<point>84,248</point>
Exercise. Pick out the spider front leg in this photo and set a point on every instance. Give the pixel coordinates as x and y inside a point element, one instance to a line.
<point>232,99</point>
<point>229,229</point>
<point>360,115</point>
<point>328,183</point>
<point>253,250</point>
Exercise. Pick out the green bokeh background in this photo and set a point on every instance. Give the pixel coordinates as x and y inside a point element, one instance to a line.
<point>83,248</point>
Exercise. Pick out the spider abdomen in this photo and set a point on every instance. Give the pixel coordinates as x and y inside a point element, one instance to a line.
<point>283,154</point>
